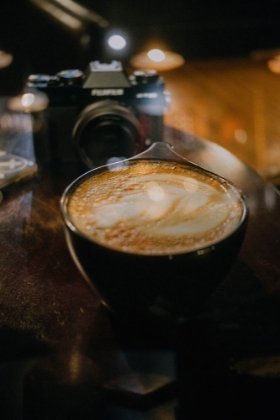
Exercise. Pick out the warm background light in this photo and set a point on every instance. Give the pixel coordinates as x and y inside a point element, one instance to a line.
<point>274,64</point>
<point>30,101</point>
<point>5,59</point>
<point>157,59</point>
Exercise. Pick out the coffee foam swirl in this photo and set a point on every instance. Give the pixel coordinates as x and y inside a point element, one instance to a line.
<point>156,208</point>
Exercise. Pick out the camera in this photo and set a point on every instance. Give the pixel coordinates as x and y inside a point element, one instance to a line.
<point>100,114</point>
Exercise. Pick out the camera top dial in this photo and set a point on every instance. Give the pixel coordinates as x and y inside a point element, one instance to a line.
<point>71,77</point>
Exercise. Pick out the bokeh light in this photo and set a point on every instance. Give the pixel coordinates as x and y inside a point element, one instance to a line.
<point>156,55</point>
<point>157,59</point>
<point>117,42</point>
<point>6,59</point>
<point>27,100</point>
<point>30,101</point>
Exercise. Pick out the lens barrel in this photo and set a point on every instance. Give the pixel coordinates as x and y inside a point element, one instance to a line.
<point>106,130</point>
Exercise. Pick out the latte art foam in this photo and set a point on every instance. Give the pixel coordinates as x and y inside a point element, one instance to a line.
<point>155,208</point>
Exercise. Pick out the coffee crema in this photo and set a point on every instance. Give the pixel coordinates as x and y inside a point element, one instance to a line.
<point>155,208</point>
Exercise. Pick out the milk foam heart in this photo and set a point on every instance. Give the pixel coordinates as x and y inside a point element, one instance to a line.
<point>156,208</point>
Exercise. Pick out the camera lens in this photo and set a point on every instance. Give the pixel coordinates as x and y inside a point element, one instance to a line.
<point>106,130</point>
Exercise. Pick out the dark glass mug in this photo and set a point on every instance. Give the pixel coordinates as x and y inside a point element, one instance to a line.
<point>171,285</point>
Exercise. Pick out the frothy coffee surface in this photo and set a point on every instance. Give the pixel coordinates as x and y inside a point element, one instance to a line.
<point>156,208</point>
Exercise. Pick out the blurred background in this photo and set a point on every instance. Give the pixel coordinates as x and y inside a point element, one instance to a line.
<point>220,60</point>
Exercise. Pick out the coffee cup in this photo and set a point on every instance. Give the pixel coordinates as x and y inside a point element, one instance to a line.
<point>154,233</point>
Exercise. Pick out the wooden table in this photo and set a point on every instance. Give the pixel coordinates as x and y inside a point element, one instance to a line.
<point>60,350</point>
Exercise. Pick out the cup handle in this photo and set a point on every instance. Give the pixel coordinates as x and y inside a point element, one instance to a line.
<point>162,151</point>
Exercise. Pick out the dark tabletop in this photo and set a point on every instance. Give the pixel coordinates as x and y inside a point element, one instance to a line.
<point>64,357</point>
